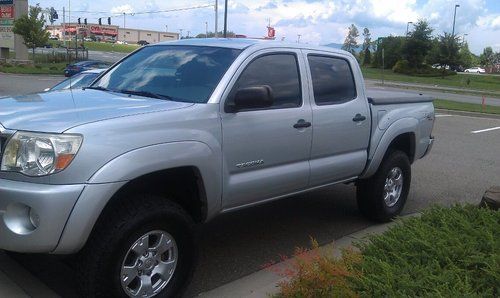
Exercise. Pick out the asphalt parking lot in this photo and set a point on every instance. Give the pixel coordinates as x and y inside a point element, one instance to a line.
<point>462,165</point>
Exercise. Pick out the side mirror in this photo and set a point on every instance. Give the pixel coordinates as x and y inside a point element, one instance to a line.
<point>257,97</point>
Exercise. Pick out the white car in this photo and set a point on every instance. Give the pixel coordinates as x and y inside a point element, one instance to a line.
<point>121,42</point>
<point>475,69</point>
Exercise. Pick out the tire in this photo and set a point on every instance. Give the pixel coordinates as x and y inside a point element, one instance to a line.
<point>109,248</point>
<point>370,192</point>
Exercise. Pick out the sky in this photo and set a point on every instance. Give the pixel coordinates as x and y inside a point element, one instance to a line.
<point>317,21</point>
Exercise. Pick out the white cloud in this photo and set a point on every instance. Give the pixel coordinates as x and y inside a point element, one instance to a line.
<point>127,8</point>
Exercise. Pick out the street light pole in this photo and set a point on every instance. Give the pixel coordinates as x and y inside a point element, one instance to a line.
<point>216,18</point>
<point>225,18</point>
<point>454,16</point>
<point>298,38</point>
<point>206,29</point>
<point>407,25</point>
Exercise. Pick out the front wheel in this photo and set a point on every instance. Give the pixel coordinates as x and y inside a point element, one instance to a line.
<point>383,196</point>
<point>143,248</point>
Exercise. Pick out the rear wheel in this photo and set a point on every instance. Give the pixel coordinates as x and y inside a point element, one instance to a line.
<point>144,248</point>
<point>383,196</point>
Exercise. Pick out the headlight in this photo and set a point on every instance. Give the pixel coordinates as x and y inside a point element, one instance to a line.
<point>39,154</point>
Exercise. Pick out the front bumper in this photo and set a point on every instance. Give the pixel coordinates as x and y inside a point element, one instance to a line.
<point>51,206</point>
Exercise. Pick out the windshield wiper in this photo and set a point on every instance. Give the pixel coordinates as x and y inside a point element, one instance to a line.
<point>145,94</point>
<point>96,88</point>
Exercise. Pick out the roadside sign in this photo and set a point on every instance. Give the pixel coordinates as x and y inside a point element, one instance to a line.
<point>6,12</point>
<point>6,22</point>
<point>6,37</point>
<point>6,2</point>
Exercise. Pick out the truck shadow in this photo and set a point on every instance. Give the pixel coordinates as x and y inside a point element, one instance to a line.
<point>239,243</point>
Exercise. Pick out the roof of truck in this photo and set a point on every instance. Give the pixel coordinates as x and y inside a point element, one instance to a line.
<point>243,43</point>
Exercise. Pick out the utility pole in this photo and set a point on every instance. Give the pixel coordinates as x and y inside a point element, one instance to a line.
<point>407,25</point>
<point>188,33</point>
<point>216,18</point>
<point>298,38</point>
<point>454,16</point>
<point>225,18</point>
<point>180,36</point>
<point>123,20</point>
<point>206,29</point>
<point>64,26</point>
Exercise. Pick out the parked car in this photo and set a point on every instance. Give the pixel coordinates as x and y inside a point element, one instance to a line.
<point>124,170</point>
<point>87,39</point>
<point>78,81</point>
<point>121,42</point>
<point>78,67</point>
<point>142,43</point>
<point>476,69</point>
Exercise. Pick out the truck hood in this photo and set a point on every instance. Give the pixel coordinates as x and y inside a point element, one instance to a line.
<point>60,110</point>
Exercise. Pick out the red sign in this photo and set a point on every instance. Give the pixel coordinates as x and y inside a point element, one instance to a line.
<point>98,30</point>
<point>271,33</point>
<point>6,12</point>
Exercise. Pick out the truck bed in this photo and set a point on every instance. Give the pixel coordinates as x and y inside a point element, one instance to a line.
<point>380,97</point>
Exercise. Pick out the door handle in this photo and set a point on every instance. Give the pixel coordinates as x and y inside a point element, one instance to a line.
<point>359,118</point>
<point>302,124</point>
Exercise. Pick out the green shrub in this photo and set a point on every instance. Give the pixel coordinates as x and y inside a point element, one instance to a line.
<point>447,252</point>
<point>53,68</point>
<point>38,66</point>
<point>6,65</point>
<point>403,67</point>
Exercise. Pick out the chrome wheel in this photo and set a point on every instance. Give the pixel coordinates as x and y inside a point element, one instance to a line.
<point>149,264</point>
<point>393,186</point>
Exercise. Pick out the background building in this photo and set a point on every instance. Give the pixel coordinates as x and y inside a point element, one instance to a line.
<point>110,33</point>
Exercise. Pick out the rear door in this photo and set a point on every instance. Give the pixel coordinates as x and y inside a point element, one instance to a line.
<point>265,156</point>
<point>341,118</point>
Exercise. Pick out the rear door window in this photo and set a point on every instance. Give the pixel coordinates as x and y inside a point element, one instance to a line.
<point>332,80</point>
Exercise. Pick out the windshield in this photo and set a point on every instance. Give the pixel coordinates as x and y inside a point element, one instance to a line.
<point>180,73</point>
<point>77,81</point>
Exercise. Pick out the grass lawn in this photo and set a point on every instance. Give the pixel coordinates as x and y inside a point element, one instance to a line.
<point>101,46</point>
<point>447,252</point>
<point>42,68</point>
<point>477,82</point>
<point>468,107</point>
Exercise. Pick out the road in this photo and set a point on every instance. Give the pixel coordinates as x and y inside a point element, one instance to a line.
<point>444,94</point>
<point>461,166</point>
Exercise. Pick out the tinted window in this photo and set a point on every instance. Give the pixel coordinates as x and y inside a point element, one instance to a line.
<point>181,73</point>
<point>278,71</point>
<point>332,80</point>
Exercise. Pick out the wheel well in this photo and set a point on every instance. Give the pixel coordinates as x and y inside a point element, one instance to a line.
<point>183,186</point>
<point>406,143</point>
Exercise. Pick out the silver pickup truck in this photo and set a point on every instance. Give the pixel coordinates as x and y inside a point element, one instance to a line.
<point>122,172</point>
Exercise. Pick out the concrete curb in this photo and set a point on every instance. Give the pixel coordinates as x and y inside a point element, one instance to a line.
<point>264,283</point>
<point>469,114</point>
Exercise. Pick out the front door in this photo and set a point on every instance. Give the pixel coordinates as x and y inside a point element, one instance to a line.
<point>265,156</point>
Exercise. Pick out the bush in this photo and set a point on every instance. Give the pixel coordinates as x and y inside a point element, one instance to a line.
<point>6,65</point>
<point>447,252</point>
<point>53,68</point>
<point>38,66</point>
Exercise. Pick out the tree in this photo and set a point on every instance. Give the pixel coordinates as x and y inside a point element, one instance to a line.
<point>418,44</point>
<point>350,42</point>
<point>31,28</point>
<point>487,57</point>
<point>211,34</point>
<point>465,56</point>
<point>447,54</point>
<point>392,46</point>
<point>367,41</point>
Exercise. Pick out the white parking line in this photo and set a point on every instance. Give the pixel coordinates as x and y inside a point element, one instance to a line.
<point>484,130</point>
<point>443,115</point>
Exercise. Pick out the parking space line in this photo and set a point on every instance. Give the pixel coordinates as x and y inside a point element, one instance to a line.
<point>485,130</point>
<point>443,115</point>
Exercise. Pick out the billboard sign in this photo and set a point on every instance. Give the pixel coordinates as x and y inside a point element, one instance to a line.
<point>6,12</point>
<point>6,2</point>
<point>6,22</point>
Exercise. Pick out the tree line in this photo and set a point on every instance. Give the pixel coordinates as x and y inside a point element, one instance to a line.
<point>417,51</point>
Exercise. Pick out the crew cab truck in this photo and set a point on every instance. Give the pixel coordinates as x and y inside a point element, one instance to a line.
<point>122,172</point>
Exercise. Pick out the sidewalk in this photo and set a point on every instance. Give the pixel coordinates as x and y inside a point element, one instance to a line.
<point>263,283</point>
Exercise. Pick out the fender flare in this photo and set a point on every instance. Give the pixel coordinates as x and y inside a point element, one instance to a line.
<point>116,173</point>
<point>399,127</point>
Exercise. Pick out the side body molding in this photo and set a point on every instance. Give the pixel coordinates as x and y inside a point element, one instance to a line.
<point>111,177</point>
<point>385,138</point>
